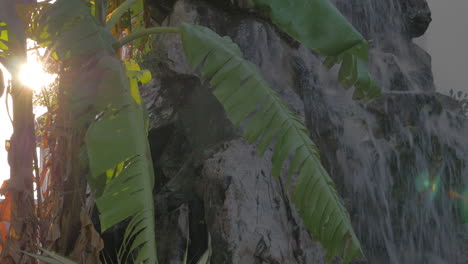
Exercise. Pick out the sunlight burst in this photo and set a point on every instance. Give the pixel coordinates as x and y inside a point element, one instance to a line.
<point>32,74</point>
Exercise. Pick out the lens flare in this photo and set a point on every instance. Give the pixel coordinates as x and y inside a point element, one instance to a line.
<point>428,184</point>
<point>463,205</point>
<point>32,74</point>
<point>422,182</point>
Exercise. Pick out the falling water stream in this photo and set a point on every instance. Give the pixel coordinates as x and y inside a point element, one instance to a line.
<point>401,160</point>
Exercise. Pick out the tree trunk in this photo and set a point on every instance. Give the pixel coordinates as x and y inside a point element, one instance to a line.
<point>23,230</point>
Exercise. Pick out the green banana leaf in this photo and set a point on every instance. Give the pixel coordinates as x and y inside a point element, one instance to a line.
<point>12,35</point>
<point>247,97</point>
<point>3,38</point>
<point>320,26</point>
<point>104,99</point>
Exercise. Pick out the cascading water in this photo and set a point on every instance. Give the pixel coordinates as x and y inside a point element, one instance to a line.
<point>372,18</point>
<point>401,160</point>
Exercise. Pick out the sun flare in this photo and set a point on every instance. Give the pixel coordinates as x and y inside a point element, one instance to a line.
<point>32,74</point>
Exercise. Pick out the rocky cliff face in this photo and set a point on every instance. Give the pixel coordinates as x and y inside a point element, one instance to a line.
<point>211,186</point>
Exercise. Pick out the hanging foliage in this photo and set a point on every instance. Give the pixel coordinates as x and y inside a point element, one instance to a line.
<point>319,26</point>
<point>108,125</point>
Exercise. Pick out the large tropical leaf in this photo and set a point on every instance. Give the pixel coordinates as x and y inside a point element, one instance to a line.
<point>321,27</point>
<point>11,26</point>
<point>247,97</point>
<point>12,35</point>
<point>104,100</point>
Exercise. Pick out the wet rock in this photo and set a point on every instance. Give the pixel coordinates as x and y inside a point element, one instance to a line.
<point>172,232</point>
<point>373,150</point>
<point>391,74</point>
<point>400,65</point>
<point>416,16</point>
<point>248,214</point>
<point>160,110</point>
<point>230,4</point>
<point>159,10</point>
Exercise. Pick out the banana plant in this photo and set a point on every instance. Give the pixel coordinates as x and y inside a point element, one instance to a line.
<point>107,104</point>
<point>105,100</point>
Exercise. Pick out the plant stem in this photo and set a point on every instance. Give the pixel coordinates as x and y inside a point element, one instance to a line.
<point>144,33</point>
<point>118,13</point>
<point>100,9</point>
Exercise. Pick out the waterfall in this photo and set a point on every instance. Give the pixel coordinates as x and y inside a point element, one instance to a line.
<point>401,160</point>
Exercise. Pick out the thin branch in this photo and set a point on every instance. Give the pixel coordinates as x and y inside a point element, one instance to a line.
<point>34,48</point>
<point>143,33</point>
<point>118,13</point>
<point>38,182</point>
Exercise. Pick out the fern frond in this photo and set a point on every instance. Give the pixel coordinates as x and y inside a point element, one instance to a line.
<point>241,90</point>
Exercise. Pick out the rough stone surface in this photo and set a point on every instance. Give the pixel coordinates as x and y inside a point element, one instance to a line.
<point>373,150</point>
<point>417,17</point>
<point>249,215</point>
